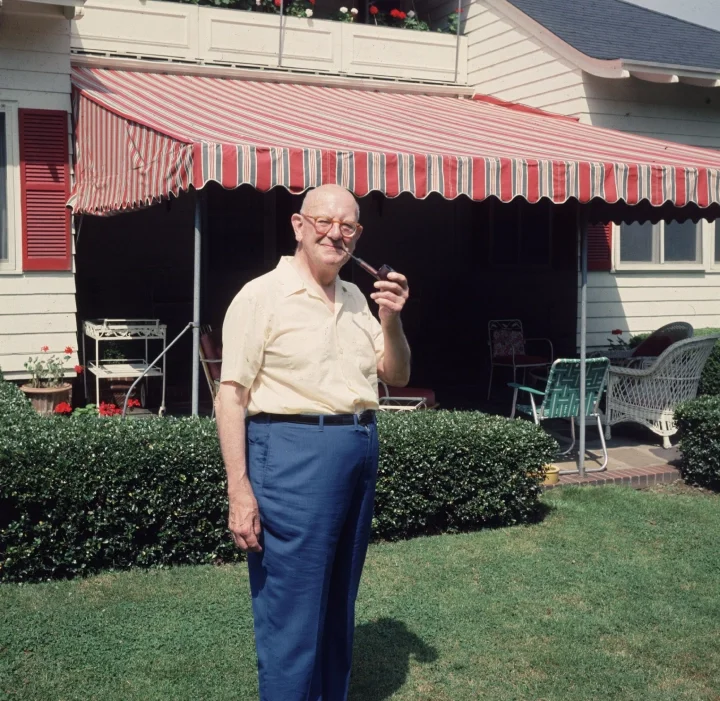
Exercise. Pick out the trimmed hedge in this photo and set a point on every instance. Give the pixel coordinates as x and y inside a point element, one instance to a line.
<point>710,380</point>
<point>699,425</point>
<point>82,494</point>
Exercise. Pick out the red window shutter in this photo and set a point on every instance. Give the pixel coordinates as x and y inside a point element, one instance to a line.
<point>599,246</point>
<point>45,189</point>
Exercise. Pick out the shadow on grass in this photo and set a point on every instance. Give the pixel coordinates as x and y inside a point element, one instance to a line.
<point>382,653</point>
<point>541,512</point>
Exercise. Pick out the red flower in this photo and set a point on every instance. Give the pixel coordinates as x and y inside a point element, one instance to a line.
<point>312,2</point>
<point>617,332</point>
<point>107,409</point>
<point>79,369</point>
<point>68,350</point>
<point>460,10</point>
<point>133,403</point>
<point>373,10</point>
<point>45,349</point>
<point>63,408</point>
<point>401,15</point>
<point>276,3</point>
<point>395,13</point>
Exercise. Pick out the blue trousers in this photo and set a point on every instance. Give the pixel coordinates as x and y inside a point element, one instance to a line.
<point>315,487</point>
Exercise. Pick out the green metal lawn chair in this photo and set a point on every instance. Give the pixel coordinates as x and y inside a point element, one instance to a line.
<point>561,398</point>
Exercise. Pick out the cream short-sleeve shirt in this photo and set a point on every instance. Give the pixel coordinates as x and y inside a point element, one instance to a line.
<point>296,356</point>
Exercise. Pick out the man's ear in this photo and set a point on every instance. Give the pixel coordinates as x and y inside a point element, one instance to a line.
<point>297,221</point>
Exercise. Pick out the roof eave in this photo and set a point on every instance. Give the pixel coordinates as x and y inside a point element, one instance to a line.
<point>611,68</point>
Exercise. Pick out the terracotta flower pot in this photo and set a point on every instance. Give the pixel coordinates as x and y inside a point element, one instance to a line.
<point>45,399</point>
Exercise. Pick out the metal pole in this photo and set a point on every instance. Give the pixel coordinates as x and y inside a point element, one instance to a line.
<point>582,228</point>
<point>153,365</point>
<point>196,305</point>
<point>457,40</point>
<point>280,39</point>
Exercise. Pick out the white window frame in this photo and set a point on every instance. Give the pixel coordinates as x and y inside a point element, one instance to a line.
<point>714,265</point>
<point>659,243</point>
<point>13,263</point>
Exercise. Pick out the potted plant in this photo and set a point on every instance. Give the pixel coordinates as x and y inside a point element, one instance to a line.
<point>118,387</point>
<point>47,387</point>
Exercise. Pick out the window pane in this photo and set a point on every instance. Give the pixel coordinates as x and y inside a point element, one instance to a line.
<point>3,192</point>
<point>717,241</point>
<point>681,242</point>
<point>636,243</point>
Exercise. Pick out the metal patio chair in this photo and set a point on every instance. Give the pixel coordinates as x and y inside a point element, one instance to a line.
<point>649,396</point>
<point>507,349</point>
<point>211,360</point>
<point>404,398</point>
<point>561,398</point>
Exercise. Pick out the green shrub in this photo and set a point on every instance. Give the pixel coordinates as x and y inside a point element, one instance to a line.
<point>82,494</point>
<point>710,380</point>
<point>444,470</point>
<point>699,424</point>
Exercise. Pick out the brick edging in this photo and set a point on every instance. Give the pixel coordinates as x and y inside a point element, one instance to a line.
<point>636,477</point>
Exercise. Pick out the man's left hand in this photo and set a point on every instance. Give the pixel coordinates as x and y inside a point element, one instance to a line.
<point>391,295</point>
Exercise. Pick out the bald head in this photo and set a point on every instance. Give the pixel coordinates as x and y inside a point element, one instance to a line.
<point>328,197</point>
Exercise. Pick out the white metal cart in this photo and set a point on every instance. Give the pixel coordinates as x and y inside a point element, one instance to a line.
<point>124,330</point>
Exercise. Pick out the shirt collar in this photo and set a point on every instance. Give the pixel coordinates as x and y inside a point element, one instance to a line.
<point>291,282</point>
<point>290,279</point>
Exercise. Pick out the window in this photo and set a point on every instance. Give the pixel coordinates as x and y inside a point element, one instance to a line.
<point>664,242</point>
<point>521,233</point>
<point>717,241</point>
<point>4,226</point>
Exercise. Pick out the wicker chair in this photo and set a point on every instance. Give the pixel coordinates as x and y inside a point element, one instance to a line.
<point>659,340</point>
<point>649,396</point>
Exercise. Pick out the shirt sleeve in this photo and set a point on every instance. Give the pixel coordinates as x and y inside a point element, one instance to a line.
<point>377,337</point>
<point>244,334</point>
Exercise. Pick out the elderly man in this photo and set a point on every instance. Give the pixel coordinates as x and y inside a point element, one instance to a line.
<point>301,357</point>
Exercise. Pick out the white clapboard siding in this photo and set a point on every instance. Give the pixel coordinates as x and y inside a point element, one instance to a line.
<point>506,61</point>
<point>642,302</point>
<point>36,309</point>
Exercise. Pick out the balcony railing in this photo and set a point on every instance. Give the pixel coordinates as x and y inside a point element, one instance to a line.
<point>165,30</point>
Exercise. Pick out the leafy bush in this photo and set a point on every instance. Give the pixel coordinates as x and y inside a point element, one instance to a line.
<point>710,380</point>
<point>442,470</point>
<point>699,424</point>
<point>85,493</point>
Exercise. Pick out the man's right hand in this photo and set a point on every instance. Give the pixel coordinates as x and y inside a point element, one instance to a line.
<point>244,519</point>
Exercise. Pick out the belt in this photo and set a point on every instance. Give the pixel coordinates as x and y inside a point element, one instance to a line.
<point>367,417</point>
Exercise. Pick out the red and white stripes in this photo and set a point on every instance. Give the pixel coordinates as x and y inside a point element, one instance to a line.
<point>144,136</point>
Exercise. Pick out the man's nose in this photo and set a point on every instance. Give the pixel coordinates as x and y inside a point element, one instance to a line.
<point>334,232</point>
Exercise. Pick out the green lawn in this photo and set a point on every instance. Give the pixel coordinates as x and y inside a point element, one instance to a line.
<point>615,595</point>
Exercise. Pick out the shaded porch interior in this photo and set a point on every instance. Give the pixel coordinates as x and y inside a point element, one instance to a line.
<point>467,263</point>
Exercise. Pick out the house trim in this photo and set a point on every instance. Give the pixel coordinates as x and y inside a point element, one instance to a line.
<point>604,68</point>
<point>12,265</point>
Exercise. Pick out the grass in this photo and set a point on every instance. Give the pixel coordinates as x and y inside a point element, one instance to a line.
<point>615,595</point>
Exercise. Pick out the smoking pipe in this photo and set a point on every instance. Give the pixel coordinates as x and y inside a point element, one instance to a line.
<point>379,274</point>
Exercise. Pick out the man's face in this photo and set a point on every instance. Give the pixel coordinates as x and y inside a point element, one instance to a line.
<point>336,208</point>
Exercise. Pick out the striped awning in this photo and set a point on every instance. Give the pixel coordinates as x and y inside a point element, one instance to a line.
<point>144,136</point>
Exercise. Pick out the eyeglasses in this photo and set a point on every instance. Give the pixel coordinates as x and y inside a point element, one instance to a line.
<point>323,225</point>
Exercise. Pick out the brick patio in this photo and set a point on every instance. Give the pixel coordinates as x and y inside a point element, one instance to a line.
<point>636,458</point>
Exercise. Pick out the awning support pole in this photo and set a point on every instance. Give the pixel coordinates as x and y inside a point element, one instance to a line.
<point>582,230</point>
<point>196,305</point>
